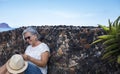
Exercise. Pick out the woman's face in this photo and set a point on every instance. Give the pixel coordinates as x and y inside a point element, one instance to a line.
<point>30,38</point>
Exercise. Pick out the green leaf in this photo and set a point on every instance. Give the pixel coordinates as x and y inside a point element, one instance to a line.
<point>118,59</point>
<point>113,30</point>
<point>111,47</point>
<point>109,41</point>
<point>105,37</point>
<point>96,41</point>
<point>108,54</point>
<point>112,59</point>
<point>104,28</point>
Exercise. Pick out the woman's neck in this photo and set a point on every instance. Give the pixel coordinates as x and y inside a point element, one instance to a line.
<point>36,43</point>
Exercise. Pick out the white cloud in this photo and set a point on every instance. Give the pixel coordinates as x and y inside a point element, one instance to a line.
<point>70,14</point>
<point>66,14</point>
<point>63,14</point>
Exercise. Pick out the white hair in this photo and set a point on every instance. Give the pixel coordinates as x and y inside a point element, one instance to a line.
<point>32,31</point>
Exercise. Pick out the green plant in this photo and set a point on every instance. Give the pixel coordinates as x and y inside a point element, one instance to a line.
<point>111,41</point>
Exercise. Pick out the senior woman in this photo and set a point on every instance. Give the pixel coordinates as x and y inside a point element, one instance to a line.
<point>37,53</point>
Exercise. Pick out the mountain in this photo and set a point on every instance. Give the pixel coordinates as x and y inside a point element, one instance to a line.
<point>4,25</point>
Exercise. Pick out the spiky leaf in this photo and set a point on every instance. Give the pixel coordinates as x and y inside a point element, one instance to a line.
<point>105,37</point>
<point>110,47</point>
<point>118,59</point>
<point>108,54</point>
<point>104,28</point>
<point>109,41</point>
<point>96,41</point>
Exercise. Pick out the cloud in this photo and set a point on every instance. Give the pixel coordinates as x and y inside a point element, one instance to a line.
<point>70,14</point>
<point>66,14</point>
<point>63,14</point>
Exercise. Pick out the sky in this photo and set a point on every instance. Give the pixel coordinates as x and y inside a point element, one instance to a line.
<point>18,13</point>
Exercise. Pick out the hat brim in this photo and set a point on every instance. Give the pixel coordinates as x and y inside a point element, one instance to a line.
<point>17,71</point>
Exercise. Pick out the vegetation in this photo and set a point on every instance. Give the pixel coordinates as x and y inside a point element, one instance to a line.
<point>111,41</point>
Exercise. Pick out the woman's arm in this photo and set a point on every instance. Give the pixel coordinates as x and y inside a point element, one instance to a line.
<point>40,63</point>
<point>3,70</point>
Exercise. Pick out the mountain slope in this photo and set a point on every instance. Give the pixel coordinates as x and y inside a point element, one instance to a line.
<point>4,25</point>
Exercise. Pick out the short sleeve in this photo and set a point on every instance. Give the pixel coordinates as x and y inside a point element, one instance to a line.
<point>45,47</point>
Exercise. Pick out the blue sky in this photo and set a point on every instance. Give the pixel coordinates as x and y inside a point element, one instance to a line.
<point>19,13</point>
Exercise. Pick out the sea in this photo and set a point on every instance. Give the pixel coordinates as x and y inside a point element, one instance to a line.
<point>5,29</point>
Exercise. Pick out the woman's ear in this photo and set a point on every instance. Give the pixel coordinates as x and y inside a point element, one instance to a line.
<point>36,37</point>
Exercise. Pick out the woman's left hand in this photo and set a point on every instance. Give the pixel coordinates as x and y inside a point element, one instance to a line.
<point>25,57</point>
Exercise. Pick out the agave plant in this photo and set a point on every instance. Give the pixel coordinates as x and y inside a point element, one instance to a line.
<point>111,41</point>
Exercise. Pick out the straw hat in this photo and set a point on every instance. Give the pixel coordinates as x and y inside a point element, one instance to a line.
<point>16,64</point>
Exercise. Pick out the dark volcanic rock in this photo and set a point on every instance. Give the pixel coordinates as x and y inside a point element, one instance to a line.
<point>71,52</point>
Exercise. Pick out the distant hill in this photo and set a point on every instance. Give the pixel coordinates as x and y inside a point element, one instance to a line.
<point>4,25</point>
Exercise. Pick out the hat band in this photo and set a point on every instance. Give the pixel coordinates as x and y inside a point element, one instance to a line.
<point>14,69</point>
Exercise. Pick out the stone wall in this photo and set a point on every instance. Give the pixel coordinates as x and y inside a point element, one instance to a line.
<point>71,52</point>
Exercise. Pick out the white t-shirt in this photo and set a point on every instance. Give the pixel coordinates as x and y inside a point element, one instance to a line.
<point>36,52</point>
